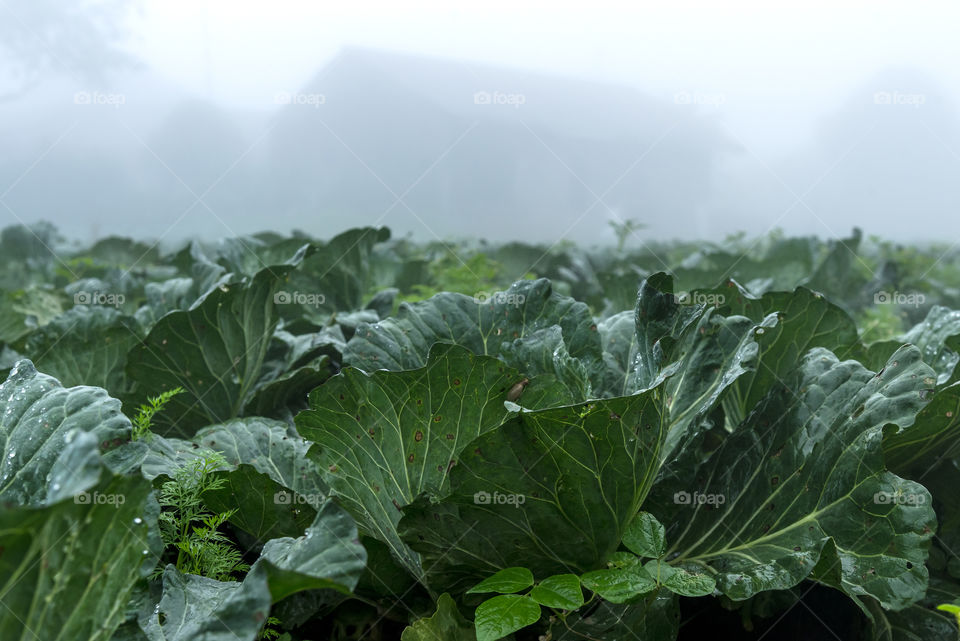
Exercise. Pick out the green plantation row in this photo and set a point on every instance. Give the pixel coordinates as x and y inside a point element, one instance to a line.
<point>369,438</point>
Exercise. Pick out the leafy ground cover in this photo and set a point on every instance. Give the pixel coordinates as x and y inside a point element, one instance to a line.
<point>281,437</point>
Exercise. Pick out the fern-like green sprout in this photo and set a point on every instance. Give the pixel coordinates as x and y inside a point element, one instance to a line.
<point>145,413</point>
<point>269,633</point>
<point>189,527</point>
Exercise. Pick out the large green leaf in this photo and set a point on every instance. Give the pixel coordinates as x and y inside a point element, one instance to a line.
<point>544,352</point>
<point>726,343</point>
<point>214,351</point>
<point>337,279</point>
<point>8,358</point>
<point>294,366</point>
<point>618,335</point>
<point>262,507</point>
<point>271,447</point>
<point>288,393</point>
<point>914,623</point>
<point>840,273</point>
<point>67,570</point>
<point>166,455</point>
<point>498,325</point>
<point>384,438</point>
<point>556,488</point>
<point>660,320</point>
<point>694,351</point>
<point>25,310</point>
<point>446,624</point>
<point>164,297</point>
<point>86,345</point>
<point>803,481</point>
<point>196,607</point>
<point>328,555</point>
<point>932,437</point>
<point>796,322</point>
<point>932,335</point>
<point>247,255</point>
<point>273,486</point>
<point>657,617</point>
<point>385,577</point>
<point>713,353</point>
<point>766,263</point>
<point>51,437</point>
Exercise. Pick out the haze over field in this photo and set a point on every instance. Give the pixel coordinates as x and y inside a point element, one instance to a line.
<point>479,321</point>
<point>537,122</point>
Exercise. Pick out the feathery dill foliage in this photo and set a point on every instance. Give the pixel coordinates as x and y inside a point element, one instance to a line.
<point>269,633</point>
<point>187,526</point>
<point>145,413</point>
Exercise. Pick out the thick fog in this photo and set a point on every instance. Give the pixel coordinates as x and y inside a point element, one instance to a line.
<point>509,121</point>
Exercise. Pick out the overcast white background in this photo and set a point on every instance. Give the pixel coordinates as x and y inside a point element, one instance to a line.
<point>791,78</point>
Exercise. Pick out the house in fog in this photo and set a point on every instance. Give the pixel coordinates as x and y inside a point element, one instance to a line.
<point>450,148</point>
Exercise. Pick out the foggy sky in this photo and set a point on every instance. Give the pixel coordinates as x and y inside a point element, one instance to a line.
<point>797,89</point>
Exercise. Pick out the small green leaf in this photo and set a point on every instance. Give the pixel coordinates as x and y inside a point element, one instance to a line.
<point>644,536</point>
<point>505,581</point>
<point>680,580</point>
<point>505,614</point>
<point>561,591</point>
<point>625,580</point>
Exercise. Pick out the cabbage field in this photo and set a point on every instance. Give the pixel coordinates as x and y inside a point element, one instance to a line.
<point>374,438</point>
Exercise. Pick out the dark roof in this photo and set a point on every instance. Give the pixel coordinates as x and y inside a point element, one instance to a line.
<point>568,106</point>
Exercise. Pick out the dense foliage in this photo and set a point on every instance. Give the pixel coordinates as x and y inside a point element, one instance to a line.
<point>369,438</point>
